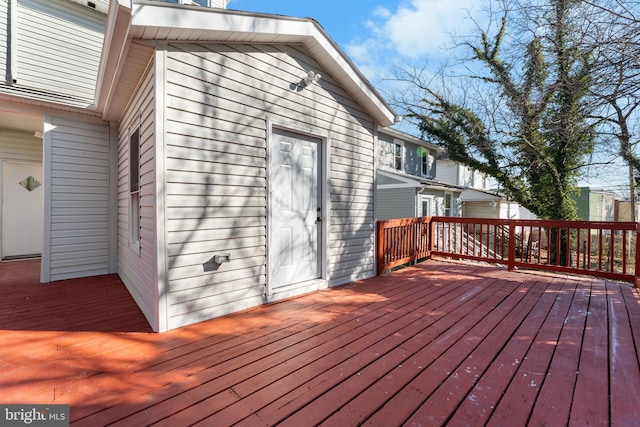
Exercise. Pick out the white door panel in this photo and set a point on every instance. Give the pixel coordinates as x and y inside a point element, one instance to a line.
<point>295,208</point>
<point>22,209</point>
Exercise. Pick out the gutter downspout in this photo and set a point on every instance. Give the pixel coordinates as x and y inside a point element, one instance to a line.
<point>13,42</point>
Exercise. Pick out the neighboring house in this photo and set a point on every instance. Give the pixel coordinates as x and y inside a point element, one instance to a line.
<point>622,211</point>
<point>406,185</point>
<point>477,199</point>
<point>595,205</point>
<point>223,160</point>
<point>461,175</point>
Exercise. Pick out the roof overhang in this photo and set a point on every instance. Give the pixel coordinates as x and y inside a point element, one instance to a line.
<point>157,21</point>
<point>480,196</point>
<point>411,181</point>
<point>395,133</point>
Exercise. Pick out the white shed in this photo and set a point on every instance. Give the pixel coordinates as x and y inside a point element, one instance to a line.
<point>245,159</point>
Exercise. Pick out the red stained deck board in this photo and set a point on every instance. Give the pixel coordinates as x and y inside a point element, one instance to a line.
<point>624,370</point>
<point>350,348</point>
<point>482,399</point>
<point>422,350</point>
<point>590,404</point>
<point>443,403</point>
<point>272,358</point>
<point>516,405</point>
<point>267,385</point>
<point>455,348</point>
<point>556,392</point>
<point>373,355</point>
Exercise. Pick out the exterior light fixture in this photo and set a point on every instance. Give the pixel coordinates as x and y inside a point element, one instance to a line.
<point>311,77</point>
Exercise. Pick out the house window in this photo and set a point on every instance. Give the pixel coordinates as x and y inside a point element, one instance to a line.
<point>447,205</point>
<point>424,164</point>
<point>425,206</point>
<point>134,187</point>
<point>397,156</point>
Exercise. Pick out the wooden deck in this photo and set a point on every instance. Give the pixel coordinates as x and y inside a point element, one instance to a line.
<point>438,343</point>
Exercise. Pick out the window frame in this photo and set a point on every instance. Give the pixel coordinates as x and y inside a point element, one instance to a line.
<point>398,155</point>
<point>134,187</point>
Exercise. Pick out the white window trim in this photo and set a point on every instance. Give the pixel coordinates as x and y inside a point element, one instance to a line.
<point>424,160</point>
<point>421,199</point>
<point>134,196</point>
<point>398,142</point>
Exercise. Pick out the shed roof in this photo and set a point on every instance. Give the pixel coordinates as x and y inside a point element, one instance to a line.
<point>129,23</point>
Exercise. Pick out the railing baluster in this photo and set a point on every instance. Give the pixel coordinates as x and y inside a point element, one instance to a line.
<point>624,252</point>
<point>409,240</point>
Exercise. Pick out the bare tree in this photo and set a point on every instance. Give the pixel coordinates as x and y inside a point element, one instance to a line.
<point>527,125</point>
<point>616,80</point>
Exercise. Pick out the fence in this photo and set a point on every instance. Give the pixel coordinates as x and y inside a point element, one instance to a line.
<point>604,249</point>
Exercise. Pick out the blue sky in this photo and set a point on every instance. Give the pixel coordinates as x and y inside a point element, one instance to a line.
<point>380,34</point>
<point>376,34</point>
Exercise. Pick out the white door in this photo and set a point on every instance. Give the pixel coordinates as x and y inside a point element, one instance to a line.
<point>295,209</point>
<point>22,209</point>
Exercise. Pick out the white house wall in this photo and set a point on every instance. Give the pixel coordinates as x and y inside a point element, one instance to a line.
<point>77,199</point>
<point>4,39</point>
<point>218,100</point>
<point>18,146</point>
<point>137,265</point>
<point>396,203</point>
<point>447,171</point>
<point>58,46</point>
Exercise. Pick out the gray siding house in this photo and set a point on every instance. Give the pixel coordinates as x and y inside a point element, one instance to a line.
<point>225,159</point>
<point>406,179</point>
<point>477,199</point>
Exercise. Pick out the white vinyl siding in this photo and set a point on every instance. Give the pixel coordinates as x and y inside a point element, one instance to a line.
<point>218,100</point>
<point>396,203</point>
<point>59,45</point>
<point>22,146</point>
<point>4,39</point>
<point>448,172</point>
<point>77,175</point>
<point>483,209</point>
<point>137,264</point>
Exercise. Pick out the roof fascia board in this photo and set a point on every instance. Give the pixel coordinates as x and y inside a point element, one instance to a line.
<point>410,138</point>
<point>114,51</point>
<point>410,179</point>
<point>236,26</point>
<point>27,104</point>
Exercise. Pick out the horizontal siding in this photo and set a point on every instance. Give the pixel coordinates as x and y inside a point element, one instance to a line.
<point>218,100</point>
<point>447,172</point>
<point>138,267</point>
<point>79,198</point>
<point>59,45</point>
<point>480,210</point>
<point>395,203</point>
<point>4,40</point>
<point>22,146</point>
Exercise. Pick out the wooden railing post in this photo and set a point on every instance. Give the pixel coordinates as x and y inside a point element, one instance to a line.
<point>637,269</point>
<point>512,246</point>
<point>381,245</point>
<point>431,235</point>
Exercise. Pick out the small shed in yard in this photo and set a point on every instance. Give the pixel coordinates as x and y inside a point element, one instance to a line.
<point>215,159</point>
<point>245,161</point>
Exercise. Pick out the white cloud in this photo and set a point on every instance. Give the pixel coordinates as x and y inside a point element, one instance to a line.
<point>425,27</point>
<point>417,31</point>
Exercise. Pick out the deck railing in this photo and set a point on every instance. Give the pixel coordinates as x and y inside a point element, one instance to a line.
<point>604,249</point>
